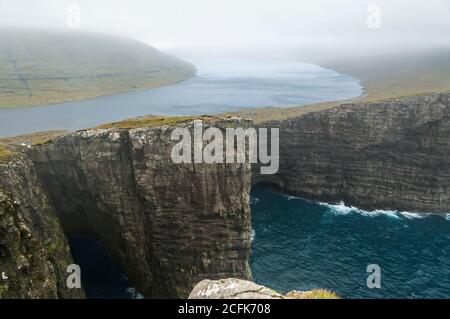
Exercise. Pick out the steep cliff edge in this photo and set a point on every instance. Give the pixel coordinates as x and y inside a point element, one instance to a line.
<point>392,154</point>
<point>167,225</point>
<point>34,252</point>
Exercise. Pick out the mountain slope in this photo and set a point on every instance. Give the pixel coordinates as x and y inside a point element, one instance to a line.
<point>399,74</point>
<point>44,67</point>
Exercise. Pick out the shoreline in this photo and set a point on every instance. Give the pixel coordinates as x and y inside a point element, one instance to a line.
<point>102,95</point>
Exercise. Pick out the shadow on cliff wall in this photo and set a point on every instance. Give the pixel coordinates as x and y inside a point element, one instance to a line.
<point>101,277</point>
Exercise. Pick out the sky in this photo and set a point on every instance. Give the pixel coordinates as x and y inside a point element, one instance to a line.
<point>241,26</point>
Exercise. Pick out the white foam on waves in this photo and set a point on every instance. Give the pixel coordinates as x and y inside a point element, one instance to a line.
<point>342,209</point>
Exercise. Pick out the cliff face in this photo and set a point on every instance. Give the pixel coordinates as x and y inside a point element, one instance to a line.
<point>388,155</point>
<point>34,252</point>
<point>167,225</point>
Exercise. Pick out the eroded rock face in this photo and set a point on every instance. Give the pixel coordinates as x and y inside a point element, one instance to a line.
<point>167,225</point>
<point>34,252</point>
<point>388,155</point>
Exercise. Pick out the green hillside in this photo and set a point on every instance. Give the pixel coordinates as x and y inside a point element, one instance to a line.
<point>43,67</point>
<point>394,75</point>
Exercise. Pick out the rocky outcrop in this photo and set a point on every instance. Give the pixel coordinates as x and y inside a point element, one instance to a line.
<point>232,289</point>
<point>34,252</point>
<point>388,155</point>
<point>242,289</point>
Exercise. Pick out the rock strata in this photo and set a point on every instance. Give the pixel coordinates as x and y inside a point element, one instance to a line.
<point>34,252</point>
<point>386,155</point>
<point>167,225</point>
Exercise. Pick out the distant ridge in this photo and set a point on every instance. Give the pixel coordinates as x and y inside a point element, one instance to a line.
<point>398,74</point>
<point>46,67</point>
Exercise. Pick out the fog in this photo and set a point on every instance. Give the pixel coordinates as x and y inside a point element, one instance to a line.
<point>310,29</point>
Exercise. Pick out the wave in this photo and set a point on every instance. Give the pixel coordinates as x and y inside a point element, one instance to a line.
<point>289,197</point>
<point>133,293</point>
<point>409,215</point>
<point>342,209</point>
<point>252,236</point>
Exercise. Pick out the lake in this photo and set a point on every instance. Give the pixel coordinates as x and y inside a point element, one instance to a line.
<point>221,85</point>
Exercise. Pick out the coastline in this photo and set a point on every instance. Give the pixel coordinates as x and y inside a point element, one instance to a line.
<point>110,93</point>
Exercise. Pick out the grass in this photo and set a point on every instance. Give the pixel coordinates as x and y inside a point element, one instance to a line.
<point>34,139</point>
<point>313,294</point>
<point>10,145</point>
<point>44,67</point>
<point>151,121</point>
<point>4,154</point>
<point>42,138</point>
<point>320,294</point>
<point>260,115</point>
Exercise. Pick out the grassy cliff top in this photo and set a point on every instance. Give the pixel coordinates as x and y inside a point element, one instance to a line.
<point>11,146</point>
<point>33,139</point>
<point>21,142</point>
<point>45,67</point>
<point>4,154</point>
<point>150,121</point>
<point>157,120</point>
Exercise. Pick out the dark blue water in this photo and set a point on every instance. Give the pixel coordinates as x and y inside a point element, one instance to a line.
<point>303,245</point>
<point>221,85</point>
<point>100,276</point>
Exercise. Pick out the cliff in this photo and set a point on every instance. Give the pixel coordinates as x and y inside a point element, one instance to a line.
<point>383,155</point>
<point>167,225</point>
<point>170,226</point>
<point>34,252</point>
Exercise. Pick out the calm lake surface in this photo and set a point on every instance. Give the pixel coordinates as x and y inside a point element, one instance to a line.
<point>220,86</point>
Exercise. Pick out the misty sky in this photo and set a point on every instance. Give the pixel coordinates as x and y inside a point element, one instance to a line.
<point>248,25</point>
